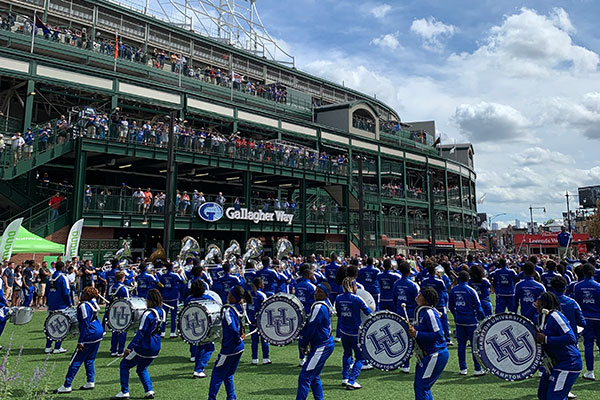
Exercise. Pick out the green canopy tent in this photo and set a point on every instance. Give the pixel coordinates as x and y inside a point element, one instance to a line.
<point>27,242</point>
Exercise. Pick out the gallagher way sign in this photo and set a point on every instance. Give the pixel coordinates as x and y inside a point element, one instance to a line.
<point>259,216</point>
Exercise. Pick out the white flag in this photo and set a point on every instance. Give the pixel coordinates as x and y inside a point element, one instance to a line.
<point>73,240</point>
<point>481,199</point>
<point>9,237</point>
<point>452,150</point>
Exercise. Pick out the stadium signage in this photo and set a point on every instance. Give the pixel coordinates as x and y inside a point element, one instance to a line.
<point>210,212</point>
<point>259,216</point>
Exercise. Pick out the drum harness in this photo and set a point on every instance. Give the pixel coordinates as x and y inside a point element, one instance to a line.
<point>419,352</point>
<point>240,317</point>
<point>548,361</point>
<point>331,312</point>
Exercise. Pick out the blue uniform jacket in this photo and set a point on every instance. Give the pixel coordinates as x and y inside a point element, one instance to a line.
<point>367,277</point>
<point>172,283</point>
<point>146,342</point>
<point>330,273</point>
<point>439,286</point>
<point>503,281</point>
<point>305,292</point>
<point>348,307</point>
<point>465,305</point>
<point>110,276</point>
<point>252,309</point>
<point>58,292</point>
<point>561,343</point>
<point>145,283</point>
<point>191,299</point>
<point>270,278</point>
<point>386,280</point>
<point>548,276</point>
<point>317,331</point>
<point>227,282</point>
<point>587,295</point>
<point>117,291</point>
<point>429,330</point>
<point>526,293</point>
<point>482,288</point>
<point>572,311</point>
<point>405,291</point>
<point>231,342</point>
<point>90,327</point>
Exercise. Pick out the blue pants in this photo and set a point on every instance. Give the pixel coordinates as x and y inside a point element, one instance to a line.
<point>445,325</point>
<point>310,376</point>
<point>141,364</point>
<point>350,345</point>
<point>173,312</point>
<point>487,307</point>
<point>387,305</point>
<point>464,334</point>
<point>202,355</point>
<point>504,303</point>
<point>557,385</point>
<point>225,367</point>
<point>591,335</point>
<point>28,296</point>
<point>87,356</point>
<point>57,345</point>
<point>2,324</point>
<point>427,372</point>
<point>117,342</point>
<point>255,339</point>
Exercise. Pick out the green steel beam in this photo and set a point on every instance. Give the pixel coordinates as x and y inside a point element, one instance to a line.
<point>29,102</point>
<point>79,181</point>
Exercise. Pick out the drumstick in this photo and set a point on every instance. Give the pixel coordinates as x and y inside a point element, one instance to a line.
<point>252,333</point>
<point>103,298</point>
<point>405,313</point>
<point>114,361</point>
<point>168,306</point>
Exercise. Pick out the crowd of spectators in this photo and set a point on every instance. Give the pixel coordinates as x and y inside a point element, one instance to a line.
<point>26,278</point>
<point>365,124</point>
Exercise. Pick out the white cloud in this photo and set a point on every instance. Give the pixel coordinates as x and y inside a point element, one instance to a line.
<point>484,122</point>
<point>582,116</point>
<point>389,41</point>
<point>381,10</point>
<point>540,156</point>
<point>432,32</point>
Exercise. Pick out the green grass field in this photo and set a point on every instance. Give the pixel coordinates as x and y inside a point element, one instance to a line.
<point>172,372</point>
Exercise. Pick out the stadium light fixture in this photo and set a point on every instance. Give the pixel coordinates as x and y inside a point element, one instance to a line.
<point>233,178</point>
<point>286,185</point>
<point>162,171</point>
<point>125,166</point>
<point>259,182</point>
<point>203,174</point>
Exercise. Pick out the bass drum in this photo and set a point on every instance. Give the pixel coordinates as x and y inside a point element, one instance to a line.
<point>20,315</point>
<point>384,341</point>
<point>215,296</point>
<point>123,313</point>
<point>505,344</point>
<point>200,322</point>
<point>280,319</point>
<point>60,324</point>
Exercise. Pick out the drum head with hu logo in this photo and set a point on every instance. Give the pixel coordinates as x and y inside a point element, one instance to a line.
<point>194,323</point>
<point>120,315</point>
<point>280,319</point>
<point>506,346</point>
<point>57,326</point>
<point>384,341</point>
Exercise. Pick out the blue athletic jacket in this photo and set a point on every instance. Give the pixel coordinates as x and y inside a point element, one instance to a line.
<point>252,309</point>
<point>110,276</point>
<point>348,307</point>
<point>172,283</point>
<point>90,327</point>
<point>587,294</point>
<point>526,293</point>
<point>146,342</point>
<point>227,282</point>
<point>465,305</point>
<point>482,288</point>
<point>58,292</point>
<point>503,280</point>
<point>439,286</point>
<point>305,292</point>
<point>367,277</point>
<point>572,311</point>
<point>429,330</point>
<point>561,343</point>
<point>118,290</point>
<point>330,273</point>
<point>317,331</point>
<point>405,291</point>
<point>231,342</point>
<point>145,283</point>
<point>386,280</point>
<point>548,276</point>
<point>270,278</point>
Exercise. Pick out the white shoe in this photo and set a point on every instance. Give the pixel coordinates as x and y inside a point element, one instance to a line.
<point>267,361</point>
<point>192,359</point>
<point>173,334</point>
<point>149,395</point>
<point>162,334</point>
<point>302,362</point>
<point>199,374</point>
<point>463,371</point>
<point>88,386</point>
<point>64,389</point>
<point>344,382</point>
<point>406,370</point>
<point>353,386</point>
<point>337,340</point>
<point>114,354</point>
<point>589,375</point>
<point>48,350</point>
<point>366,367</point>
<point>571,396</point>
<point>59,351</point>
<point>479,373</point>
<point>255,361</point>
<point>121,395</point>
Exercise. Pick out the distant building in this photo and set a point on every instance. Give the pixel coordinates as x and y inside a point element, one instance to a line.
<point>459,152</point>
<point>494,226</point>
<point>517,224</point>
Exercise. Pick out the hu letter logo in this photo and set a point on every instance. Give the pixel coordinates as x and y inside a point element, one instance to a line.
<point>120,316</point>
<point>194,324</point>
<point>391,343</point>
<point>517,349</point>
<point>283,326</point>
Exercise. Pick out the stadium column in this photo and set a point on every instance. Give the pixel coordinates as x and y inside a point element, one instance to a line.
<point>247,187</point>
<point>431,207</point>
<point>447,203</point>
<point>404,193</point>
<point>29,101</point>
<point>346,202</point>
<point>460,189</point>
<point>303,206</point>
<point>78,181</point>
<point>378,241</point>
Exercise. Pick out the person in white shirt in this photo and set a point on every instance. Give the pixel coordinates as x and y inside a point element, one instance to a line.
<point>17,144</point>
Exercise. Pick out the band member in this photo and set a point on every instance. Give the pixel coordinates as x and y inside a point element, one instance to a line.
<point>144,347</point>
<point>58,293</point>
<point>270,277</point>
<point>349,307</point>
<point>227,282</point>
<point>258,296</point>
<point>170,293</point>
<point>232,343</point>
<point>330,274</point>
<point>482,286</point>
<point>317,343</point>
<point>527,291</point>
<point>465,306</point>
<point>587,294</point>
<point>560,344</point>
<point>367,277</point>
<point>550,274</point>
<point>110,274</point>
<point>386,281</point>
<point>435,281</point>
<point>146,281</point>
<point>503,282</point>
<point>429,336</point>
<point>3,310</point>
<point>405,292</point>
<point>90,336</point>
<point>568,307</point>
<point>118,291</point>
<point>200,353</point>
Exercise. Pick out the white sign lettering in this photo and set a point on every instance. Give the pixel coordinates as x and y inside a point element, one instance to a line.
<point>259,216</point>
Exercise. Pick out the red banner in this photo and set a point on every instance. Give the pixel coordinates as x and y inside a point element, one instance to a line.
<point>546,239</point>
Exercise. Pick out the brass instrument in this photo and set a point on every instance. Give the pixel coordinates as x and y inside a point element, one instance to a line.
<point>284,249</point>
<point>124,254</point>
<point>254,250</point>
<point>231,254</point>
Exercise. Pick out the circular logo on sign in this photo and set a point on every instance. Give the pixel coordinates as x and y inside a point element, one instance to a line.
<point>57,326</point>
<point>384,341</point>
<point>506,345</point>
<point>210,212</point>
<point>120,315</point>
<point>280,319</point>
<point>193,323</point>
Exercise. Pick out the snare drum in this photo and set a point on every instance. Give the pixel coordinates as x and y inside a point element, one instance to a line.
<point>200,322</point>
<point>505,344</point>
<point>20,315</point>
<point>215,296</point>
<point>60,324</point>
<point>384,340</point>
<point>280,319</point>
<point>124,312</point>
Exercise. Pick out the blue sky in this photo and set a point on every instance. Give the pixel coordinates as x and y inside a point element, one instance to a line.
<point>519,80</point>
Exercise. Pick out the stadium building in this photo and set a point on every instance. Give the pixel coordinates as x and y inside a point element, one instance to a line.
<point>200,120</point>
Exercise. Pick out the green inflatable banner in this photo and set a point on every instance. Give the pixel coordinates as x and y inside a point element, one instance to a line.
<point>27,242</point>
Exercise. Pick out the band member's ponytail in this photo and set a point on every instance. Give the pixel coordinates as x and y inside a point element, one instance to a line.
<point>154,298</point>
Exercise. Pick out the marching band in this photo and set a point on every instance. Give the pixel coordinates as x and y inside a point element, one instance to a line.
<point>563,299</point>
